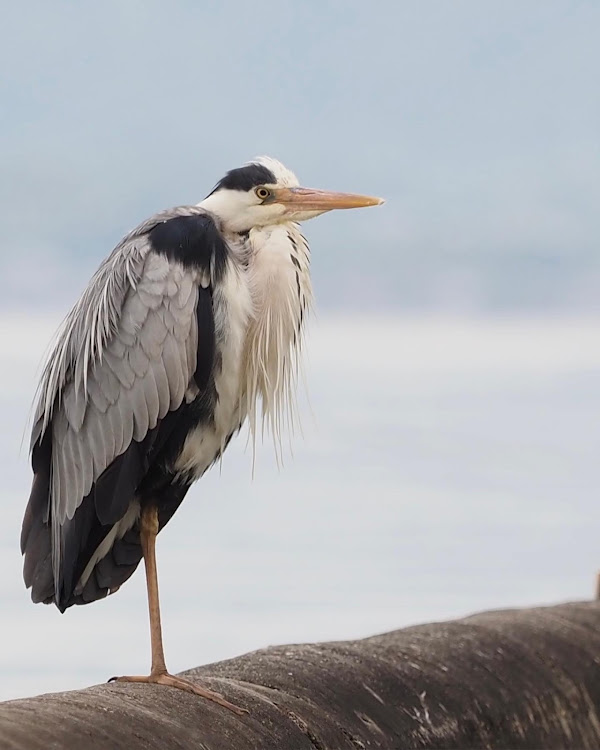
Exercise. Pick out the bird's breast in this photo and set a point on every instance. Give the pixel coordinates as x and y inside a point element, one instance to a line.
<point>258,315</point>
<point>206,440</point>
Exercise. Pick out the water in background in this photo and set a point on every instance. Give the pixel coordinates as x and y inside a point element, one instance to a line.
<point>450,465</point>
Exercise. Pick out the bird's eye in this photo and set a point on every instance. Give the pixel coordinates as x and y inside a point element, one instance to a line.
<point>262,193</point>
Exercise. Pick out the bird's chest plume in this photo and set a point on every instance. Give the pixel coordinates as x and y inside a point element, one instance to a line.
<point>280,290</point>
<point>258,309</point>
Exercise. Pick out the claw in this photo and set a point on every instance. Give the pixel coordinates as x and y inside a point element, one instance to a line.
<point>164,678</point>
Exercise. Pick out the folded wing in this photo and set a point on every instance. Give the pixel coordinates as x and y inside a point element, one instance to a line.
<point>125,359</point>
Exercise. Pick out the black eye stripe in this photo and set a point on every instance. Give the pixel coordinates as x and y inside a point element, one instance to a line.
<point>246,178</point>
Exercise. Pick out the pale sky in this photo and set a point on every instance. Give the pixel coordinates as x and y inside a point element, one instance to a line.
<point>478,121</point>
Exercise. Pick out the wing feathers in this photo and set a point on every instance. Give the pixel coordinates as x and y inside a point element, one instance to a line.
<point>120,367</point>
<point>186,289</point>
<point>115,425</point>
<point>151,398</point>
<point>143,373</point>
<point>74,406</point>
<point>141,420</point>
<point>137,359</point>
<point>99,399</point>
<point>126,356</point>
<point>149,297</point>
<point>173,367</point>
<point>127,419</point>
<point>108,384</point>
<point>152,336</point>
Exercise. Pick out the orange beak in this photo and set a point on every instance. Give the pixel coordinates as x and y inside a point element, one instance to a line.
<point>307,199</point>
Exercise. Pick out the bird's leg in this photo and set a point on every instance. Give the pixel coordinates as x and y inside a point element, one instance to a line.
<point>158,673</point>
<point>148,531</point>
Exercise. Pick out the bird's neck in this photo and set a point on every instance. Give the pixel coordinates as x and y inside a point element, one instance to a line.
<point>279,281</point>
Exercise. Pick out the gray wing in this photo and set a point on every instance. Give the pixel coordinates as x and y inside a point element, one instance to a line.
<point>125,357</point>
<point>142,373</point>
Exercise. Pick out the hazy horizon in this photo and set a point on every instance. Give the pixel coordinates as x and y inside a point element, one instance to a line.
<point>455,471</point>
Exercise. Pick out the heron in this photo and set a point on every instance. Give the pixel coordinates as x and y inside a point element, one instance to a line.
<point>189,329</point>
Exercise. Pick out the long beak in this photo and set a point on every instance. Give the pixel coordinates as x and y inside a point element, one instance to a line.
<point>307,199</point>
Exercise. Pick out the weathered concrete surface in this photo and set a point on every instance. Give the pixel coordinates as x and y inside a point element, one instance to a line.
<point>509,679</point>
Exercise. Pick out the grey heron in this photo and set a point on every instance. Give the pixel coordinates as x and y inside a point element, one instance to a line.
<point>189,328</point>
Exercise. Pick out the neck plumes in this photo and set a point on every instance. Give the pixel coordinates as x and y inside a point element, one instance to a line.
<point>281,292</point>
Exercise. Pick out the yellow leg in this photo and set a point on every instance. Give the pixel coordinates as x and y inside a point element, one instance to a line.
<point>158,673</point>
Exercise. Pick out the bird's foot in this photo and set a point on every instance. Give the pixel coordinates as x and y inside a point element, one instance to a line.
<point>164,678</point>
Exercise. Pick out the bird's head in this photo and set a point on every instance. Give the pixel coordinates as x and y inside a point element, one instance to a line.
<point>264,192</point>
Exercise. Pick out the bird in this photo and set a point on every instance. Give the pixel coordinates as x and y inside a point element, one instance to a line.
<point>190,328</point>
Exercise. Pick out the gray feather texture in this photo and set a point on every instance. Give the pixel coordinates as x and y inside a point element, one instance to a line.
<point>123,358</point>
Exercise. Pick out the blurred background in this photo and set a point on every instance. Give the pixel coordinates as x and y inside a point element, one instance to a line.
<point>449,461</point>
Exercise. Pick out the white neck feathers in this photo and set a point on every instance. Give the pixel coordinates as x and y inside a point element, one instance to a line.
<point>281,293</point>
